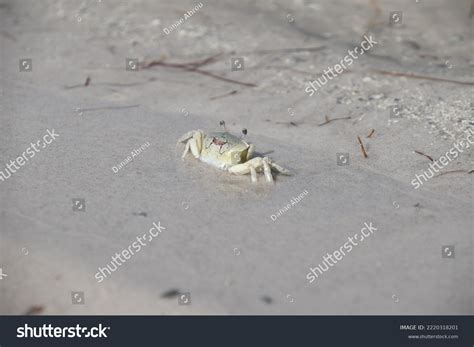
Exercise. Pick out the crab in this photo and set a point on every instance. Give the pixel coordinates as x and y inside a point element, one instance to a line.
<point>229,153</point>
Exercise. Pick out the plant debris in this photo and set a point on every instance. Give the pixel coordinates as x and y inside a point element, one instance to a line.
<point>423,154</point>
<point>294,124</point>
<point>454,171</point>
<point>331,120</point>
<point>364,152</point>
<point>282,50</point>
<point>85,84</point>
<point>194,67</point>
<point>169,294</point>
<point>143,214</point>
<point>371,133</point>
<point>107,108</point>
<point>223,95</point>
<point>35,309</point>
<point>429,78</point>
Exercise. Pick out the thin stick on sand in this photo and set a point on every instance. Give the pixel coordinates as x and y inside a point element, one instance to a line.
<point>327,120</point>
<point>107,108</point>
<point>429,78</point>
<point>223,95</point>
<point>423,154</point>
<point>193,67</point>
<point>364,152</point>
<point>453,171</point>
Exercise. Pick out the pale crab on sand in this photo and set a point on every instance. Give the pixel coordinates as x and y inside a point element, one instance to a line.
<point>230,153</point>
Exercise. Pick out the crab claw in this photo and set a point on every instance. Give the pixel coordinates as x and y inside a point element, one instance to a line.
<point>193,141</point>
<point>187,136</point>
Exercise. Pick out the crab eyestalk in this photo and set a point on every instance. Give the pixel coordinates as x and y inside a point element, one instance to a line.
<point>222,124</point>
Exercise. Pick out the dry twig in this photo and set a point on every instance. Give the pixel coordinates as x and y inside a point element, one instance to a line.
<point>423,154</point>
<point>106,108</point>
<point>371,133</point>
<point>327,120</point>
<point>364,152</point>
<point>282,50</point>
<point>452,171</point>
<point>429,78</point>
<point>223,95</point>
<point>194,67</point>
<point>295,124</point>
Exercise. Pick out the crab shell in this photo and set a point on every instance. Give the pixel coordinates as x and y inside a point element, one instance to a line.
<point>228,152</point>
<point>223,150</point>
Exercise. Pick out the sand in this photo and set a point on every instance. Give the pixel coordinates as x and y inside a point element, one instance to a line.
<point>220,243</point>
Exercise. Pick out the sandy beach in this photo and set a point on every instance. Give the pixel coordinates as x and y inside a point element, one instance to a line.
<point>119,91</point>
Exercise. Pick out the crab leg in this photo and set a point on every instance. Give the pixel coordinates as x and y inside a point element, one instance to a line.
<point>244,169</point>
<point>198,137</point>
<point>253,174</point>
<point>186,150</point>
<point>193,144</point>
<point>267,171</point>
<point>280,169</point>
<point>240,169</point>
<point>248,167</point>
